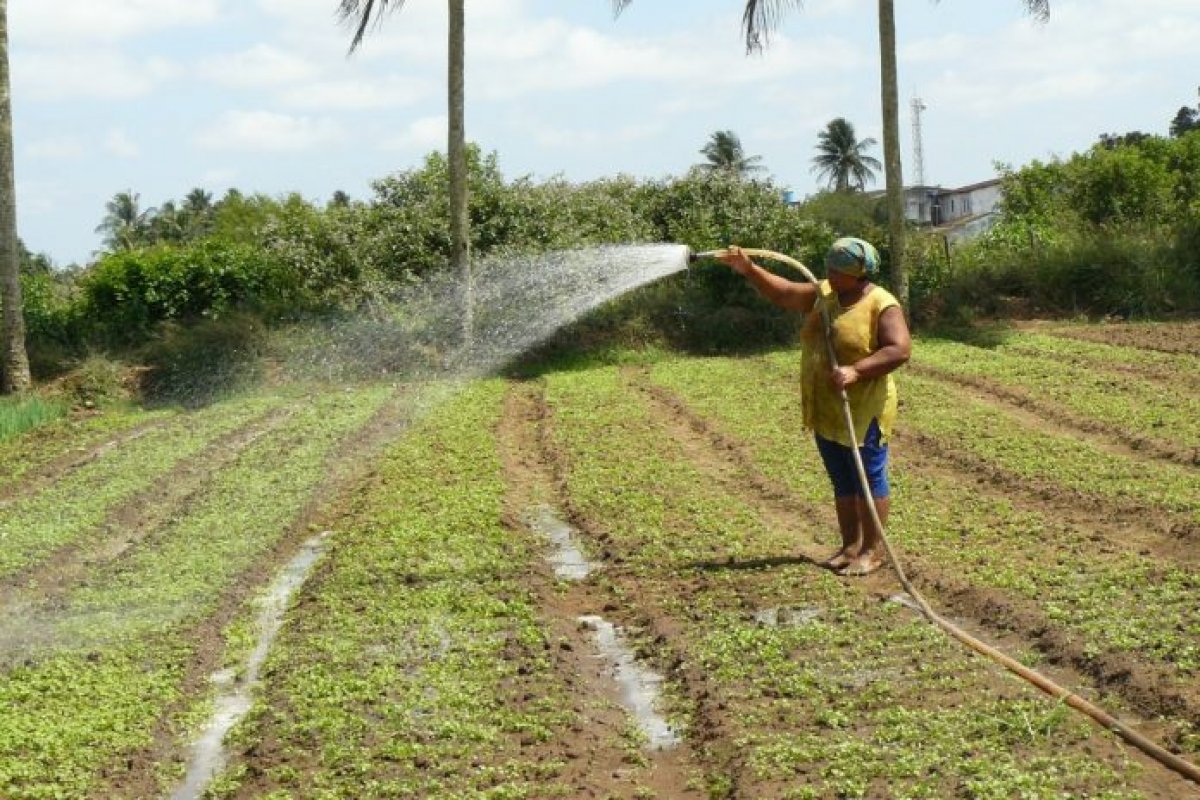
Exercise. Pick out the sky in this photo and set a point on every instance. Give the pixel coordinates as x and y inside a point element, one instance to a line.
<point>160,96</point>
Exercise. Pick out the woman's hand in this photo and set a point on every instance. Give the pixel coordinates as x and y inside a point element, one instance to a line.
<point>736,260</point>
<point>843,377</point>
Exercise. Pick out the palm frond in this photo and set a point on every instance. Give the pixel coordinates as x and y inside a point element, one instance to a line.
<point>360,14</point>
<point>1038,8</point>
<point>761,17</point>
<point>619,6</point>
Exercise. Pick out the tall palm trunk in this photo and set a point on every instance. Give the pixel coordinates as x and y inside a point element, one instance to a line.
<point>16,362</point>
<point>456,154</point>
<point>890,97</point>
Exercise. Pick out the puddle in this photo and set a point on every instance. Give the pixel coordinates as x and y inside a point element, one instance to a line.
<point>906,600</point>
<point>234,693</point>
<point>786,617</point>
<point>639,686</point>
<point>567,559</point>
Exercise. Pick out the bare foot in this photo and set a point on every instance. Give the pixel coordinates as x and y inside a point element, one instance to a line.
<point>839,560</point>
<point>863,564</point>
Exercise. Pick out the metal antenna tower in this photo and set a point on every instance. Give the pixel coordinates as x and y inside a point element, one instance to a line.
<point>918,148</point>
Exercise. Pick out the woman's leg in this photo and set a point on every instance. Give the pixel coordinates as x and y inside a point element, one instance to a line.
<point>869,556</point>
<point>849,525</point>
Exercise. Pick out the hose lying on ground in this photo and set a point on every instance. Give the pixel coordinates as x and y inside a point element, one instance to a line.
<point>1150,748</point>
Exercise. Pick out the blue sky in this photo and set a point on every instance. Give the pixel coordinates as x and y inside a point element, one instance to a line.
<point>160,96</point>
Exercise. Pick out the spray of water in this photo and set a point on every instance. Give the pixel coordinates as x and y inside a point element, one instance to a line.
<point>517,301</point>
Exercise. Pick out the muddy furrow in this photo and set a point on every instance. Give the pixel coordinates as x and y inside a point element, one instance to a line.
<point>597,766</point>
<point>132,522</point>
<point>1114,523</point>
<point>63,465</point>
<point>997,616</point>
<point>349,465</point>
<point>1140,446</point>
<point>709,741</point>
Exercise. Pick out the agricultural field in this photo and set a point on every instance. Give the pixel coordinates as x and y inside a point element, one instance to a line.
<point>602,580</point>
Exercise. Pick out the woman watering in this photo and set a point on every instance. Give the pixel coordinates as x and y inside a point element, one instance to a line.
<point>870,341</point>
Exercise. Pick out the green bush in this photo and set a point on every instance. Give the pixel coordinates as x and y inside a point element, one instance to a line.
<point>127,294</point>
<point>200,364</point>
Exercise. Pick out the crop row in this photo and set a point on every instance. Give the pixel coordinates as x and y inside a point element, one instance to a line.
<point>68,509</point>
<point>1115,598</point>
<point>102,669</point>
<point>1059,383</point>
<point>1172,369</point>
<point>817,689</point>
<point>67,440</point>
<point>416,663</point>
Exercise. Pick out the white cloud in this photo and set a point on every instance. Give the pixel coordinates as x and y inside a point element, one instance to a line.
<point>362,94</point>
<point>46,76</point>
<point>427,133</point>
<point>1086,52</point>
<point>60,22</point>
<point>269,131</point>
<point>56,148</point>
<point>587,137</point>
<point>118,143</point>
<point>218,177</point>
<point>261,66</point>
<point>552,56</point>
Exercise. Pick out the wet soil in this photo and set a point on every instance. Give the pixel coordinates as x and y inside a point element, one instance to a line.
<point>597,766</point>
<point>347,470</point>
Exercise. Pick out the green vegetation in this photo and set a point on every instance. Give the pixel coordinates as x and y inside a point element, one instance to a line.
<point>20,414</point>
<point>432,653</point>
<point>420,667</point>
<point>1110,231</point>
<point>105,661</point>
<point>836,704</point>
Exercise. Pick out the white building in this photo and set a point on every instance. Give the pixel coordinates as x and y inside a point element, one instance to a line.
<point>937,206</point>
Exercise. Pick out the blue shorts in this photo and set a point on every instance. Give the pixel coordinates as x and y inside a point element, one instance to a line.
<point>839,463</point>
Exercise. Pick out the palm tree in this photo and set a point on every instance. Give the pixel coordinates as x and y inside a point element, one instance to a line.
<point>842,159</point>
<point>15,373</point>
<point>125,223</point>
<point>724,153</point>
<point>361,14</point>
<point>760,17</point>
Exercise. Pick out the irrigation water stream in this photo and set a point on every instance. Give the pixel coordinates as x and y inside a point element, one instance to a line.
<point>235,691</point>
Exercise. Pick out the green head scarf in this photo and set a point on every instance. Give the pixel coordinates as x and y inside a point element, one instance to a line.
<point>852,256</point>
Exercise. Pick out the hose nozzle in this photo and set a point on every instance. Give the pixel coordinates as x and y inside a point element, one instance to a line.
<point>693,256</point>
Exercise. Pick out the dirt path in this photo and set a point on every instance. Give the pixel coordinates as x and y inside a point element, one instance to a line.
<point>597,766</point>
<point>1013,624</point>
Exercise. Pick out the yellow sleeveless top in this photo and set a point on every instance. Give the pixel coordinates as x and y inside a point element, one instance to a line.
<point>855,336</point>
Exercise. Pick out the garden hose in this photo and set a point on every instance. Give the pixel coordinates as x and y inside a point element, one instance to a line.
<point>1150,748</point>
